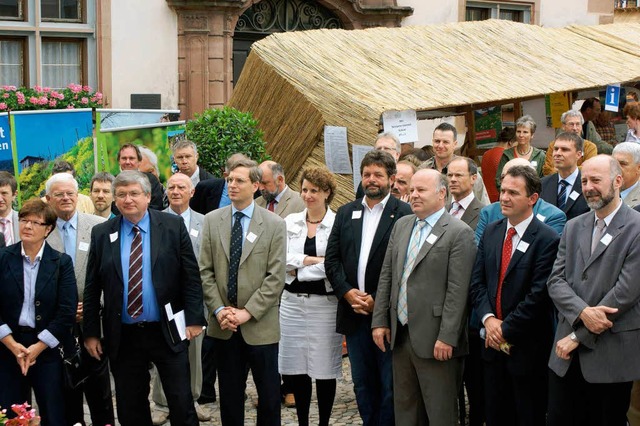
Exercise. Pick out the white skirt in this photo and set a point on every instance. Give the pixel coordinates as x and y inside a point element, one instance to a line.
<point>309,343</point>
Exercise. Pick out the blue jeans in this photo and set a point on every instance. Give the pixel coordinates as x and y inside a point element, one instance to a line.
<point>372,375</point>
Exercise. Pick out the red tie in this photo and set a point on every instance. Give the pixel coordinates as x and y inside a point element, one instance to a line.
<point>507,248</point>
<point>272,206</point>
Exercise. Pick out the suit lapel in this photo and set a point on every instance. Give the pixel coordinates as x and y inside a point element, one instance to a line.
<point>46,270</point>
<point>614,229</point>
<point>224,230</point>
<point>156,231</point>
<point>55,241</point>
<point>528,237</point>
<point>115,246</point>
<point>577,187</point>
<point>499,242</point>
<point>438,230</point>
<point>282,204</point>
<point>584,237</point>
<point>356,224</point>
<point>386,220</point>
<point>472,211</point>
<point>84,236</point>
<point>255,228</point>
<point>404,237</point>
<point>17,270</point>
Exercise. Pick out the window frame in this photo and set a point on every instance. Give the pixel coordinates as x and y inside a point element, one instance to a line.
<point>22,13</point>
<point>526,9</point>
<point>81,14</point>
<point>25,63</point>
<point>83,57</point>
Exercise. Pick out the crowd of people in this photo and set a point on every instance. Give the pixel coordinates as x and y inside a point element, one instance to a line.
<point>524,303</point>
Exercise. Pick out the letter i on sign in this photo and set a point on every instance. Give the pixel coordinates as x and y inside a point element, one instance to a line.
<point>612,98</point>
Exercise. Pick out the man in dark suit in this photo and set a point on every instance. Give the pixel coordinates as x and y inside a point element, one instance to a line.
<point>143,263</point>
<point>595,288</point>
<point>353,260</point>
<point>462,173</point>
<point>185,155</point>
<point>212,194</point>
<point>421,305</point>
<point>242,263</point>
<point>508,290</point>
<point>129,158</point>
<point>563,189</point>
<point>72,236</point>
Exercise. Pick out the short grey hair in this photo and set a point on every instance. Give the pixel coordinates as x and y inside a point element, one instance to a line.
<point>277,170</point>
<point>60,178</point>
<point>132,177</point>
<point>255,173</point>
<point>153,158</point>
<point>526,121</point>
<point>182,144</point>
<point>392,136</point>
<point>631,148</point>
<point>571,113</point>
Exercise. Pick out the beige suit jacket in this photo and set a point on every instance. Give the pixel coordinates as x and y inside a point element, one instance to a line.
<point>633,198</point>
<point>290,202</point>
<point>86,222</point>
<point>261,272</point>
<point>437,289</point>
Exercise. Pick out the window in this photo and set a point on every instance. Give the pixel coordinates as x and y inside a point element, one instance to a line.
<point>61,62</point>
<point>11,62</point>
<point>481,10</point>
<point>61,10</point>
<point>54,45</point>
<point>11,9</point>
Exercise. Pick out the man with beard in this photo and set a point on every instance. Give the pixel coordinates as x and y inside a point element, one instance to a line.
<point>102,195</point>
<point>277,197</point>
<point>562,189</point>
<point>353,261</point>
<point>593,285</point>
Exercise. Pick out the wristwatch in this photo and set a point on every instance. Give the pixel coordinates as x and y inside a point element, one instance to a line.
<point>573,337</point>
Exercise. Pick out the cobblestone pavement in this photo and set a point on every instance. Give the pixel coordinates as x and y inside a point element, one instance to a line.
<point>345,411</point>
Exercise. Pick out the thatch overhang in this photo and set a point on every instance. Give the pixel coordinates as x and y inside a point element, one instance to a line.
<point>296,83</point>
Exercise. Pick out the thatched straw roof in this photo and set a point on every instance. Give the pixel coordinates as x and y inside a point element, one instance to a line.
<point>295,83</point>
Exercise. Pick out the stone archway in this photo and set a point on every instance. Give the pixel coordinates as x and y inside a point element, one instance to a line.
<point>206,33</point>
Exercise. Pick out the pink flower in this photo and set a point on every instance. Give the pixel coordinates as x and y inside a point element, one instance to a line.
<point>86,88</point>
<point>75,88</point>
<point>37,88</point>
<point>70,107</point>
<point>46,89</point>
<point>53,103</point>
<point>43,100</point>
<point>5,95</point>
<point>3,106</point>
<point>84,101</point>
<point>33,100</point>
<point>98,95</point>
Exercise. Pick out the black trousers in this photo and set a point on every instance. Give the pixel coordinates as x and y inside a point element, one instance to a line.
<point>575,402</point>
<point>234,356</point>
<point>140,345</point>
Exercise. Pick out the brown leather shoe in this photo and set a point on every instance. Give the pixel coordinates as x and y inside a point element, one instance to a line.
<point>289,400</point>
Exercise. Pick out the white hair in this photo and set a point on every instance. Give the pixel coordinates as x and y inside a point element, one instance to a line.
<point>153,158</point>
<point>60,178</point>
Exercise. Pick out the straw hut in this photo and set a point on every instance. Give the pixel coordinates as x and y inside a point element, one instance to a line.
<point>296,83</point>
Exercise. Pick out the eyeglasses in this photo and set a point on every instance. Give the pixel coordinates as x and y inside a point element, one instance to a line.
<point>61,195</point>
<point>132,194</point>
<point>26,222</point>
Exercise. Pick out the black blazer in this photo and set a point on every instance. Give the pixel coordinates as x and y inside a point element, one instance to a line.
<point>175,275</point>
<point>204,175</point>
<point>207,195</point>
<point>2,243</point>
<point>572,208</point>
<point>343,253</point>
<point>56,296</point>
<point>526,306</point>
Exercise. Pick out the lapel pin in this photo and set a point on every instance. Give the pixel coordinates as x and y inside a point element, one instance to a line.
<point>392,216</point>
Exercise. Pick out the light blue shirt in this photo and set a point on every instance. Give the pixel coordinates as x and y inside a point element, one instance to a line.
<point>150,309</point>
<point>224,198</point>
<point>625,192</point>
<point>28,312</point>
<point>431,222</point>
<point>186,217</point>
<point>70,245</point>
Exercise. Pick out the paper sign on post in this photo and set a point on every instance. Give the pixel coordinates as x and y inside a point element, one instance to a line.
<point>336,151</point>
<point>358,151</point>
<point>403,124</point>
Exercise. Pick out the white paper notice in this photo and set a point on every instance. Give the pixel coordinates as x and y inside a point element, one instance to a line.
<point>359,151</point>
<point>178,317</point>
<point>403,124</point>
<point>336,151</point>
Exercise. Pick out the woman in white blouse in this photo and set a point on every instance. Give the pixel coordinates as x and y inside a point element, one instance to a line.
<point>310,348</point>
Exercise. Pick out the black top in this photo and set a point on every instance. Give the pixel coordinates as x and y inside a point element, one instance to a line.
<point>308,287</point>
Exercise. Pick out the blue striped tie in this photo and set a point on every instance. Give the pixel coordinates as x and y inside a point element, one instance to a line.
<point>562,195</point>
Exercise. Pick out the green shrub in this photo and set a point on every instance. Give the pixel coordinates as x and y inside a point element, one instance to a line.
<point>219,133</point>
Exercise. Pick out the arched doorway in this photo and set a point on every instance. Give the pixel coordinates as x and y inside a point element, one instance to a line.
<point>274,16</point>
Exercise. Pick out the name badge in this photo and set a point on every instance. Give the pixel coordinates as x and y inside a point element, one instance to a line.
<point>522,246</point>
<point>194,233</point>
<point>251,237</point>
<point>113,236</point>
<point>540,217</point>
<point>432,238</point>
<point>606,239</point>
<point>356,214</point>
<point>83,246</point>
<point>534,164</point>
<point>574,195</point>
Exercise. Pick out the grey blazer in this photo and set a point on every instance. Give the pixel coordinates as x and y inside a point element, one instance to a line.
<point>607,277</point>
<point>261,272</point>
<point>289,203</point>
<point>194,228</point>
<point>437,289</point>
<point>633,198</point>
<point>472,214</point>
<point>86,222</point>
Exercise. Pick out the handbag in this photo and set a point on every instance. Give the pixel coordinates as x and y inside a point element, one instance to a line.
<point>74,369</point>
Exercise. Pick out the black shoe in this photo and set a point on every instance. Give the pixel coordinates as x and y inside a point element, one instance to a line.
<point>206,399</point>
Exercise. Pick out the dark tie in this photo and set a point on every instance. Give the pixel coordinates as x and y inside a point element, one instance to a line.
<point>234,261</point>
<point>507,248</point>
<point>272,206</point>
<point>562,195</point>
<point>134,305</point>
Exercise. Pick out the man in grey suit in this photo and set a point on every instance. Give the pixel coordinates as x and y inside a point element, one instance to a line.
<point>594,287</point>
<point>462,173</point>
<point>8,216</point>
<point>73,236</point>
<point>421,305</point>
<point>277,197</point>
<point>179,191</point>
<point>628,155</point>
<point>242,264</point>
